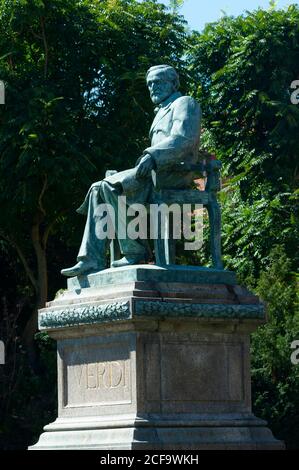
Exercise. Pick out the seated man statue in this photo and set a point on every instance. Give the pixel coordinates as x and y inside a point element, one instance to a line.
<point>174,135</point>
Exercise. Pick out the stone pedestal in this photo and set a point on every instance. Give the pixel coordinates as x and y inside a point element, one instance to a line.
<point>154,358</point>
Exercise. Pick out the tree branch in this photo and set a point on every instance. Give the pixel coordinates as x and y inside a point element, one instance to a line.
<point>41,265</point>
<point>40,198</point>
<point>48,230</point>
<point>22,258</point>
<point>35,35</point>
<point>42,23</point>
<point>28,270</point>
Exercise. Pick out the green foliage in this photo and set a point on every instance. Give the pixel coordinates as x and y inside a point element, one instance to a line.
<point>252,227</point>
<point>76,101</point>
<point>275,378</point>
<point>76,105</point>
<point>175,4</point>
<point>244,67</point>
<point>27,400</point>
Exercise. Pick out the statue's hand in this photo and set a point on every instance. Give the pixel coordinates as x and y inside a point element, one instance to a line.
<point>145,166</point>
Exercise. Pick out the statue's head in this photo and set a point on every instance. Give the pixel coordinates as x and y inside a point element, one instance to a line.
<point>162,81</point>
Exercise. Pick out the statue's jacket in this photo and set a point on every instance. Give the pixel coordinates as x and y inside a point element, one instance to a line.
<point>174,135</point>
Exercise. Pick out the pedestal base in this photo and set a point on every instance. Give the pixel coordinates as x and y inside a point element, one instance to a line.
<point>210,435</point>
<point>154,362</point>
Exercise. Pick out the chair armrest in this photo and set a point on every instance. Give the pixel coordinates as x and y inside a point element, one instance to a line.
<point>198,168</point>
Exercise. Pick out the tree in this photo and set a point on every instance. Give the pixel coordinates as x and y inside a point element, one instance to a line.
<point>275,378</point>
<point>244,67</point>
<point>76,104</point>
<point>175,4</point>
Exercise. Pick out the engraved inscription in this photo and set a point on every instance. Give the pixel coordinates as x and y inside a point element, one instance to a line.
<point>97,375</point>
<point>103,375</point>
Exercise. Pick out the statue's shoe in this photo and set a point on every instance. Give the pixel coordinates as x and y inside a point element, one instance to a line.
<point>128,260</point>
<point>82,267</point>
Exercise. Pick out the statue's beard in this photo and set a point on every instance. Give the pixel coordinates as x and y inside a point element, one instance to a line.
<point>156,99</point>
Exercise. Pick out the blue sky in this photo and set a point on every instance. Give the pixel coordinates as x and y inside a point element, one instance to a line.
<point>199,12</point>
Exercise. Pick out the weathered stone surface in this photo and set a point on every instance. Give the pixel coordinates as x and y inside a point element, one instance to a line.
<point>82,314</point>
<point>96,373</point>
<point>153,273</point>
<point>154,365</point>
<point>173,388</point>
<point>149,292</point>
<point>112,311</point>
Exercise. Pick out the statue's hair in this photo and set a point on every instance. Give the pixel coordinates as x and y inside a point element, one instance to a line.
<point>169,73</point>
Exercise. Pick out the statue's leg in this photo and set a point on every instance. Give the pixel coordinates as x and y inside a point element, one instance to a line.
<point>215,232</point>
<point>92,247</point>
<point>91,256</point>
<point>128,247</point>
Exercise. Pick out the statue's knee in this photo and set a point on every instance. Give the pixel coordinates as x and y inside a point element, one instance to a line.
<point>105,186</point>
<point>96,186</point>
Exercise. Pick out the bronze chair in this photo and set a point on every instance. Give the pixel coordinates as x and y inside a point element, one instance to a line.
<point>164,244</point>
